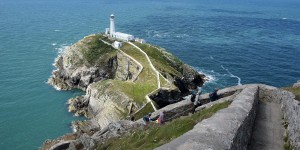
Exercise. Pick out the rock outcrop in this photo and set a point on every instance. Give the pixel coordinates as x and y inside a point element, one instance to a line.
<point>83,63</point>
<point>297,84</point>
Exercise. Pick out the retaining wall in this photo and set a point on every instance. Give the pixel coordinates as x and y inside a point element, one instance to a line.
<point>229,128</point>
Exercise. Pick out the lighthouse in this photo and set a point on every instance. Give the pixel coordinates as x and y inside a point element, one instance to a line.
<point>117,35</point>
<point>112,24</point>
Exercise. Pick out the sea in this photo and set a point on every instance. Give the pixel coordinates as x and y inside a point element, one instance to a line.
<point>232,42</point>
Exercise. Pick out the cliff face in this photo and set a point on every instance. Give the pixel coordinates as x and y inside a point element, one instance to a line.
<point>117,81</point>
<point>83,63</point>
<point>102,103</point>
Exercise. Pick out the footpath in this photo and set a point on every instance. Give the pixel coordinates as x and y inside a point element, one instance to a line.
<point>268,129</point>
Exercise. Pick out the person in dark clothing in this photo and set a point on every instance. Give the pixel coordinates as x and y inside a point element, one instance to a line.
<point>147,118</point>
<point>131,118</point>
<point>214,95</point>
<point>193,95</point>
<point>196,102</point>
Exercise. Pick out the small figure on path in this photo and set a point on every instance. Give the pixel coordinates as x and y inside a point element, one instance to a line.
<point>197,101</point>
<point>147,119</point>
<point>193,95</point>
<point>160,119</point>
<point>214,96</point>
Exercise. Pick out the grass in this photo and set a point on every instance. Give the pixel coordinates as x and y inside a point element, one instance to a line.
<point>156,135</point>
<point>93,49</point>
<point>146,82</point>
<point>147,109</point>
<point>162,60</point>
<point>287,144</point>
<point>294,90</point>
<point>136,91</point>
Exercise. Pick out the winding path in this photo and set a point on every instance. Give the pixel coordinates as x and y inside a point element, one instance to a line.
<point>154,69</point>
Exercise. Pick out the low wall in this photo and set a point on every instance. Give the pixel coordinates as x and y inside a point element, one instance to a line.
<point>185,107</point>
<point>204,98</point>
<point>229,128</point>
<point>290,109</point>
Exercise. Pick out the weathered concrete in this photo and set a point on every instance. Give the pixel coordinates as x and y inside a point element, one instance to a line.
<point>229,128</point>
<point>268,130</point>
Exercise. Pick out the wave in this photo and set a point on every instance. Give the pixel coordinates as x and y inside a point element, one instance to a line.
<point>56,30</point>
<point>209,77</point>
<point>232,75</point>
<point>62,48</point>
<point>162,34</point>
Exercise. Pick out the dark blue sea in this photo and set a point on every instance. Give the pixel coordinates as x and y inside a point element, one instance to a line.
<point>231,41</point>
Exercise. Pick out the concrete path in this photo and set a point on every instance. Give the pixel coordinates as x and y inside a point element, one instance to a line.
<point>268,129</point>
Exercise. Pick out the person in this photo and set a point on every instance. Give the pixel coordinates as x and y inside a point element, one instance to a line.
<point>160,119</point>
<point>196,102</point>
<point>131,118</point>
<point>193,95</point>
<point>147,118</point>
<point>214,96</point>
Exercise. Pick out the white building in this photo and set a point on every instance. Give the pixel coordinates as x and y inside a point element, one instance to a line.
<point>122,36</point>
<point>142,41</point>
<point>117,35</point>
<point>117,44</point>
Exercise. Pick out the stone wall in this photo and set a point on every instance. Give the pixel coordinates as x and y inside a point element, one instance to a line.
<point>290,109</point>
<point>229,128</point>
<point>185,107</point>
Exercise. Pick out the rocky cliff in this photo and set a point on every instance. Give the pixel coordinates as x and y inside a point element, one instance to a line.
<point>83,63</point>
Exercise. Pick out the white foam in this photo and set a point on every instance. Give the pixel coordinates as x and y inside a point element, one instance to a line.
<point>182,36</point>
<point>56,30</point>
<point>61,48</point>
<point>232,75</point>
<point>157,35</point>
<point>54,44</point>
<point>284,18</point>
<point>208,77</point>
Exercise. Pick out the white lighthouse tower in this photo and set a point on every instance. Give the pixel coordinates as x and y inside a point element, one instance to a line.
<point>117,35</point>
<point>112,24</point>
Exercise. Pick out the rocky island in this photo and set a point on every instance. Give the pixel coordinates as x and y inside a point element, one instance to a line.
<point>120,83</point>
